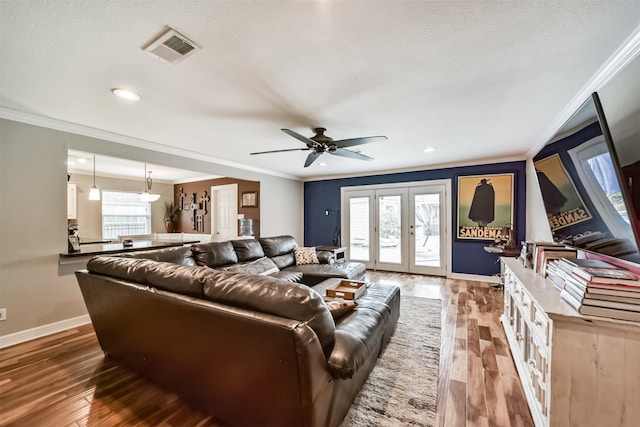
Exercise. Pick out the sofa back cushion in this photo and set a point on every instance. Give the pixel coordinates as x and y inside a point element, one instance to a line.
<point>132,269</point>
<point>280,250</point>
<point>179,255</point>
<point>268,295</point>
<point>247,249</point>
<point>182,279</point>
<point>214,254</point>
<point>262,266</point>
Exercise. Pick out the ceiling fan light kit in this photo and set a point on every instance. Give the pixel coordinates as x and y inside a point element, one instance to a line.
<point>320,144</point>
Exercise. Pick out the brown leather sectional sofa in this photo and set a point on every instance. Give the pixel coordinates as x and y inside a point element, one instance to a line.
<point>249,349</point>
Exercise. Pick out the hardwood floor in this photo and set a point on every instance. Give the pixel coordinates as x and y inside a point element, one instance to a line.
<point>64,380</point>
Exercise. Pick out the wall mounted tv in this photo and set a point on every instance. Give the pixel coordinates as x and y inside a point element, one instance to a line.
<point>586,196</point>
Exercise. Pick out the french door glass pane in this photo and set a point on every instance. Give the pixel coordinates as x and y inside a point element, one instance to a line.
<point>390,227</point>
<point>359,228</point>
<point>427,230</point>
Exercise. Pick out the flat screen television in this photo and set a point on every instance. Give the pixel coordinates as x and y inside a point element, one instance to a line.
<point>586,197</point>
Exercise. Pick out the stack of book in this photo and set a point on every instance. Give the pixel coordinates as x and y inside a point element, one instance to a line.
<point>597,288</point>
<point>546,254</point>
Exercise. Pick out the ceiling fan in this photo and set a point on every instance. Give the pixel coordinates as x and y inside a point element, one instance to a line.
<point>320,143</point>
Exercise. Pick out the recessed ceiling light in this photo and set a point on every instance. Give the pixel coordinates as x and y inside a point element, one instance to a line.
<point>126,94</point>
<point>428,149</point>
<point>323,164</point>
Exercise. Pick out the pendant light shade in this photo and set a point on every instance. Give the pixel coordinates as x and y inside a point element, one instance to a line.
<point>147,195</point>
<point>94,192</point>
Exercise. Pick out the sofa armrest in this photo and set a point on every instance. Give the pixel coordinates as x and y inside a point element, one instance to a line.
<point>358,336</point>
<point>325,257</point>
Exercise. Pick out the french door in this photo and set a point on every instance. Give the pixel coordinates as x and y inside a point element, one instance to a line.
<point>398,227</point>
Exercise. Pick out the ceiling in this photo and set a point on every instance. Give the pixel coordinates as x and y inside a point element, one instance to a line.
<point>479,81</point>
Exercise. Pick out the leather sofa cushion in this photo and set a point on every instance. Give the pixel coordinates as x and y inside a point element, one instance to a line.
<point>289,276</point>
<point>273,296</point>
<point>187,280</point>
<point>357,336</point>
<point>132,269</point>
<point>183,279</point>
<point>247,249</point>
<point>284,261</point>
<point>179,255</point>
<point>214,254</point>
<point>263,266</point>
<point>316,273</point>
<point>278,245</point>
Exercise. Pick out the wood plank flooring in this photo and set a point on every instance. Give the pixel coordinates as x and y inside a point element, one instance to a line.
<point>64,380</point>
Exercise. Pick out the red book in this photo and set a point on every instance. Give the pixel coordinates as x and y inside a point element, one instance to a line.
<point>616,276</point>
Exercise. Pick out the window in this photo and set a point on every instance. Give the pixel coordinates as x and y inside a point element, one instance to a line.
<point>595,168</point>
<point>124,214</point>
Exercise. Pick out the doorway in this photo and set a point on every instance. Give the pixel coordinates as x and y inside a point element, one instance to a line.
<point>399,227</point>
<point>224,212</point>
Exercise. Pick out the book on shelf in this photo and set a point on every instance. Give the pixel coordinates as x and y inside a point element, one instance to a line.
<point>618,276</point>
<point>619,290</point>
<point>588,296</point>
<point>592,310</point>
<point>570,299</point>
<point>545,253</point>
<point>613,304</point>
<point>603,288</point>
<point>570,263</point>
<point>537,247</point>
<point>575,290</point>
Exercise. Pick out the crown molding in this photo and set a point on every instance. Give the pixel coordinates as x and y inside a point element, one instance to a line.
<point>78,129</point>
<point>626,53</point>
<point>475,162</point>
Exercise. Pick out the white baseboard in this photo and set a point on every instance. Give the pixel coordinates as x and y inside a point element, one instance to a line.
<point>44,330</point>
<point>476,277</point>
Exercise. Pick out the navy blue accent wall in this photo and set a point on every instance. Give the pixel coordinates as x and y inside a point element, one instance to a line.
<point>322,210</point>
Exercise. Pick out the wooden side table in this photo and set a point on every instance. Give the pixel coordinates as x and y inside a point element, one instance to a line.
<point>338,252</point>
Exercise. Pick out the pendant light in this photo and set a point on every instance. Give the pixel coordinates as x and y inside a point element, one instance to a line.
<point>147,195</point>
<point>94,193</point>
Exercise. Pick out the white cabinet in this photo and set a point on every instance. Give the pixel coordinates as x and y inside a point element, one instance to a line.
<point>575,370</point>
<point>72,200</point>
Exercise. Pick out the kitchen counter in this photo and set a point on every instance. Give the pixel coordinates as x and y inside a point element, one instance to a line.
<point>115,248</point>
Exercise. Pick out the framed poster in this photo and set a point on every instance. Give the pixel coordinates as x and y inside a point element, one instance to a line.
<point>485,206</point>
<point>562,201</point>
<point>249,199</point>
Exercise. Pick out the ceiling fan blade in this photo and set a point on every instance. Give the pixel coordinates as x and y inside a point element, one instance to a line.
<point>311,158</point>
<point>342,143</point>
<point>350,154</point>
<point>281,151</point>
<point>310,142</point>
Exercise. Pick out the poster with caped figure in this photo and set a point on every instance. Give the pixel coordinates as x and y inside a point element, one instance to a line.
<point>485,206</point>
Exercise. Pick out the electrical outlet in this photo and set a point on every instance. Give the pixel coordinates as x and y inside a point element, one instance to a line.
<point>3,314</point>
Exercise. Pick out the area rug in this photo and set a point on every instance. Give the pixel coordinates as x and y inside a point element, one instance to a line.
<point>402,389</point>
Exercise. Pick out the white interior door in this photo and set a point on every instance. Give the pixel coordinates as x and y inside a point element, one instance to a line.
<point>398,227</point>
<point>224,212</point>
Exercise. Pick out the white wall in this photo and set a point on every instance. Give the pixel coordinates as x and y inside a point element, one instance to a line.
<point>537,224</point>
<point>34,287</point>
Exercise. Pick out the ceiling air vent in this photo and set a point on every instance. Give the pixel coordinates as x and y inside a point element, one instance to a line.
<point>171,46</point>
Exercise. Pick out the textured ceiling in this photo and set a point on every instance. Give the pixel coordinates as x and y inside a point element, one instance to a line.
<point>477,80</point>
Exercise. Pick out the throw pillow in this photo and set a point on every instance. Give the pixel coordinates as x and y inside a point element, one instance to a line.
<point>262,266</point>
<point>339,308</point>
<point>306,256</point>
